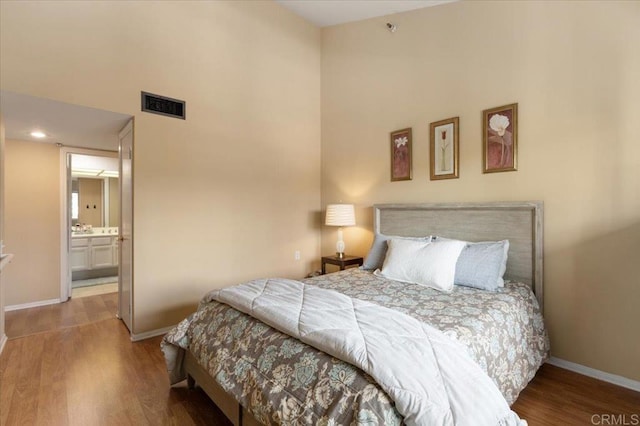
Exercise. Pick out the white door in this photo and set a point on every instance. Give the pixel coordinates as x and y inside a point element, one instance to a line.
<point>125,250</point>
<point>67,268</point>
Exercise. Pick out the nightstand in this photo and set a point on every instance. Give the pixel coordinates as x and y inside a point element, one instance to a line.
<point>342,263</point>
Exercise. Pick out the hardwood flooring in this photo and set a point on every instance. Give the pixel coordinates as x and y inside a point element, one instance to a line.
<point>561,397</point>
<point>93,374</point>
<point>76,311</point>
<point>90,373</point>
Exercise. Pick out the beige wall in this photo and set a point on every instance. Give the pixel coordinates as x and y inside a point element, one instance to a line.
<point>573,68</point>
<point>32,218</point>
<point>227,194</point>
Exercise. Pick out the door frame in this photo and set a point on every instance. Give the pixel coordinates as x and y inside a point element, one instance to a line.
<point>65,231</point>
<point>126,227</point>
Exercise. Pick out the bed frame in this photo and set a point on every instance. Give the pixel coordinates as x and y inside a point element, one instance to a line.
<point>519,222</point>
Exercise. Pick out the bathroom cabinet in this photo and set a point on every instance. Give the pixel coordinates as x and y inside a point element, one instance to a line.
<point>93,252</point>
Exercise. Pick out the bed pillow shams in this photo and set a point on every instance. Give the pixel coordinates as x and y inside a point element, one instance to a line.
<point>422,262</point>
<point>378,250</point>
<point>481,265</point>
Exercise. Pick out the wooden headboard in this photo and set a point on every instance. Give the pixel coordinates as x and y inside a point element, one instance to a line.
<point>518,222</point>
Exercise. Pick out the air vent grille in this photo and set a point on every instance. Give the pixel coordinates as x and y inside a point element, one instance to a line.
<point>163,105</point>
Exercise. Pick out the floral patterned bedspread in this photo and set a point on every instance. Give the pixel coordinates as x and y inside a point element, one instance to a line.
<point>281,380</point>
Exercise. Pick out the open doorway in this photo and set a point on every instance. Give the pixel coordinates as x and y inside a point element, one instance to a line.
<point>93,218</point>
<point>77,130</point>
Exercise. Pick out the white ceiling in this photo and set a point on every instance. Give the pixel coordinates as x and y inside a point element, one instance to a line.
<point>324,13</point>
<point>91,162</point>
<point>68,124</point>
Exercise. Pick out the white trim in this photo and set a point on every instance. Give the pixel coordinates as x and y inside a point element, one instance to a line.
<point>149,334</point>
<point>65,272</point>
<point>596,374</point>
<point>3,340</point>
<point>31,305</point>
<point>106,196</point>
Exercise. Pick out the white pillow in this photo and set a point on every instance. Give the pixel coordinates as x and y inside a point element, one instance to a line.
<point>422,262</point>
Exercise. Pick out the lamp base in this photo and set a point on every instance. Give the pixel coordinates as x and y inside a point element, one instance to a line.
<point>340,245</point>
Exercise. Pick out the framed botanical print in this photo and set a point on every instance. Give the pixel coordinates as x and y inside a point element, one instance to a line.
<point>401,167</point>
<point>444,149</point>
<point>500,139</point>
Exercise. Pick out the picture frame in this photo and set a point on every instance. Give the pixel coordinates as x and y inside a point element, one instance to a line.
<point>401,161</point>
<point>500,139</point>
<point>444,149</point>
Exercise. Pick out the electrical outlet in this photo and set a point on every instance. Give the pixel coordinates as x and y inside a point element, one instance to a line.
<point>296,255</point>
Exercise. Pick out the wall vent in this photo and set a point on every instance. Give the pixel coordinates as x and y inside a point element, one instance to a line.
<point>163,105</point>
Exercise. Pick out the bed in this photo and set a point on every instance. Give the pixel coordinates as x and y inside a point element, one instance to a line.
<point>258,375</point>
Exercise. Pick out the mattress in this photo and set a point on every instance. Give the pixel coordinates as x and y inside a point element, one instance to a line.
<point>282,380</point>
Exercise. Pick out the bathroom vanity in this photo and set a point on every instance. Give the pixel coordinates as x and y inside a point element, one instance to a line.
<point>94,255</point>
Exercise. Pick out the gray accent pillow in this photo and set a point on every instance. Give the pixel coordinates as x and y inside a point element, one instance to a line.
<point>482,265</point>
<point>378,250</point>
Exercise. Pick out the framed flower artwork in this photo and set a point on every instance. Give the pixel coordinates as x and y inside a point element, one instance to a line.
<point>500,139</point>
<point>444,150</point>
<point>401,155</point>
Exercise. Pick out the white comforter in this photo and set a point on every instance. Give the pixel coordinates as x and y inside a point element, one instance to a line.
<point>431,378</point>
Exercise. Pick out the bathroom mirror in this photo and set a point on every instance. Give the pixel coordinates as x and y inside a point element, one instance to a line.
<point>95,198</point>
<point>95,201</point>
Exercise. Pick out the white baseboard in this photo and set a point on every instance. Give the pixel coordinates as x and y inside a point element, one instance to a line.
<point>3,340</point>
<point>31,305</point>
<point>150,334</point>
<point>596,374</point>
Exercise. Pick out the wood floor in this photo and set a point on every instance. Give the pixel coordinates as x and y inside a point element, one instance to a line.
<point>76,311</point>
<point>88,372</point>
<point>560,397</point>
<point>93,374</point>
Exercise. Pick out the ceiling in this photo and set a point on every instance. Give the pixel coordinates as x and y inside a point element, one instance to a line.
<point>70,125</point>
<point>93,166</point>
<point>324,13</point>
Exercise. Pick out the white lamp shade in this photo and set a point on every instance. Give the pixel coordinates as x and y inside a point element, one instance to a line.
<point>340,215</point>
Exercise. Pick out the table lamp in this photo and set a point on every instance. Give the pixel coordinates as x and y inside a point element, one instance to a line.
<point>340,215</point>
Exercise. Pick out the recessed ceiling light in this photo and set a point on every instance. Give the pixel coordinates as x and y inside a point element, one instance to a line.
<point>38,134</point>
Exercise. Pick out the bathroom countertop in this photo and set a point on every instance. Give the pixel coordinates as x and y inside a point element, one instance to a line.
<point>96,233</point>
